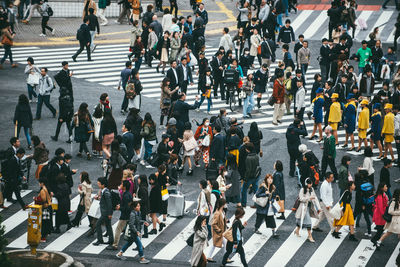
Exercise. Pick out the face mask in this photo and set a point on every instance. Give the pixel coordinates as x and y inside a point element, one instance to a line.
<point>206,124</point>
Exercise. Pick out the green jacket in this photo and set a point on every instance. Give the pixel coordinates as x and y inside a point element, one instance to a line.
<point>102,3</point>
<point>330,146</point>
<point>148,132</point>
<point>343,177</point>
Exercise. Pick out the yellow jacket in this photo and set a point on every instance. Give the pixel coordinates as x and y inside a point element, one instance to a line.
<point>388,124</point>
<point>363,119</point>
<point>335,114</point>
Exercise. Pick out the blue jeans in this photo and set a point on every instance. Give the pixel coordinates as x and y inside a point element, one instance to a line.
<point>138,63</point>
<point>248,104</point>
<point>246,186</point>
<point>46,100</point>
<point>148,149</point>
<point>7,53</point>
<point>138,244</point>
<point>209,102</point>
<point>31,91</point>
<point>304,68</point>
<point>26,131</point>
<point>279,21</point>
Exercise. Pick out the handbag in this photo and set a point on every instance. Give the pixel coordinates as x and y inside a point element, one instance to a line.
<point>190,240</point>
<point>33,79</point>
<point>260,201</point>
<point>6,41</point>
<point>276,206</point>
<point>296,204</point>
<point>164,194</point>
<point>281,204</point>
<point>387,216</point>
<point>271,101</point>
<point>337,210</point>
<point>228,235</point>
<point>259,50</point>
<point>190,144</point>
<point>166,101</point>
<point>206,140</point>
<point>94,210</point>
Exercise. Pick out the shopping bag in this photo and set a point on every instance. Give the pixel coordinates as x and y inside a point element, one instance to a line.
<point>276,206</point>
<point>54,203</point>
<point>33,79</point>
<point>206,141</point>
<point>164,194</point>
<point>94,210</point>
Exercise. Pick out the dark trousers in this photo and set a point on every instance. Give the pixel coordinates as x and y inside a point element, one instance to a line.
<point>294,155</point>
<point>79,214</point>
<point>45,19</point>
<point>174,7</point>
<point>184,86</point>
<point>22,4</point>
<point>379,232</point>
<point>397,142</point>
<point>31,91</point>
<point>83,147</point>
<point>46,100</point>
<point>59,124</point>
<point>300,115</point>
<point>159,5</point>
<point>81,47</point>
<point>124,105</point>
<point>13,187</point>
<point>324,72</point>
<point>396,36</point>
<point>104,219</point>
<point>366,212</point>
<point>239,249</point>
<point>7,53</point>
<point>219,81</point>
<point>331,162</point>
<point>330,29</point>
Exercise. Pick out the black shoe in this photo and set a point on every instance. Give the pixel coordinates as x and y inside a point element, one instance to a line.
<point>57,231</point>
<point>158,69</point>
<point>282,217</point>
<point>190,172</point>
<point>145,236</point>
<point>153,232</point>
<point>69,226</point>
<point>74,58</point>
<point>111,247</point>
<point>162,225</point>
<point>335,235</point>
<point>54,138</point>
<point>69,141</point>
<point>98,243</point>
<point>90,59</point>
<point>317,229</point>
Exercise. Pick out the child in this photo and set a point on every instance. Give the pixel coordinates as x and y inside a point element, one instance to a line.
<point>135,227</point>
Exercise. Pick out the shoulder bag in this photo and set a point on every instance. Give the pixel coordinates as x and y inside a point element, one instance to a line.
<point>337,210</point>
<point>387,216</point>
<point>271,101</point>
<point>260,201</point>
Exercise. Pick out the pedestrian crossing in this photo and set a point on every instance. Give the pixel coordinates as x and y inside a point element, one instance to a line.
<point>109,60</point>
<point>170,244</point>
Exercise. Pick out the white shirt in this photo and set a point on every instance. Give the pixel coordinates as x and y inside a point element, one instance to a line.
<point>326,193</point>
<point>184,67</point>
<point>397,125</point>
<point>300,95</point>
<point>176,76</point>
<point>367,165</point>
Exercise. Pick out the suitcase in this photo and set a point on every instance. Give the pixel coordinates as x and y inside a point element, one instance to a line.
<point>176,202</point>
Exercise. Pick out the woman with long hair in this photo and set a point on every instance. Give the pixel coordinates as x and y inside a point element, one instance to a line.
<point>85,191</point>
<point>142,193</point>
<point>135,102</point>
<point>155,201</point>
<point>148,132</point>
<point>44,199</point>
<point>237,238</point>
<point>248,101</point>
<point>368,164</point>
<point>88,4</point>
<point>135,122</point>
<point>108,131</point>
<point>279,187</point>
<point>97,118</point>
<point>117,163</point>
<point>199,242</point>
<point>309,207</point>
<point>189,145</point>
<point>203,133</point>
<point>232,180</point>
<point>175,45</point>
<point>266,213</point>
<point>64,204</point>
<point>83,125</point>
<point>165,100</point>
<point>255,136</point>
<point>40,154</point>
<point>218,227</point>
<point>162,51</point>
<point>392,227</point>
<point>347,213</point>
<point>137,52</point>
<point>381,203</point>
<point>31,69</point>
<point>23,117</point>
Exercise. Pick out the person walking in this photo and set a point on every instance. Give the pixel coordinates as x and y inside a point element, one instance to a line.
<point>23,118</point>
<point>7,42</point>
<point>293,133</point>
<point>116,163</point>
<point>388,130</point>
<point>63,79</point>
<point>87,4</point>
<point>261,81</point>
<point>200,242</point>
<point>84,38</point>
<point>142,193</point>
<point>376,129</point>
<point>101,12</point>
<point>266,213</point>
<point>237,239</point>
<point>335,116</point>
<point>44,11</point>
<point>44,199</point>
<point>248,101</point>
<point>165,99</point>
<point>318,103</point>
<point>279,95</point>
<point>155,201</point>
<point>135,230</point>
<point>380,205</point>
<point>106,211</point>
<point>309,208</point>
<point>32,72</point>
<point>81,123</point>
<point>350,112</point>
<point>343,173</point>
<point>148,132</point>
<point>203,132</point>
<point>40,154</point>
<point>45,87</point>
<point>108,131</point>
<point>35,4</point>
<point>66,108</point>
<point>85,191</point>
<point>347,213</point>
<point>218,227</point>
<point>252,173</point>
<point>304,56</point>
<point>326,202</point>
<point>279,184</point>
<point>64,205</point>
<point>93,25</point>
<point>363,124</point>
<point>299,104</point>
<point>329,153</point>
<point>97,118</point>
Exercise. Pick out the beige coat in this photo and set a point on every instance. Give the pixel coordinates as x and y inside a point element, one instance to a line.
<point>394,225</point>
<point>255,41</point>
<point>86,189</point>
<point>135,31</point>
<point>304,200</point>
<point>218,227</point>
<point>92,4</point>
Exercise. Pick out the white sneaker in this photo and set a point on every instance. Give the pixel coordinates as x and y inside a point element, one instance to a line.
<point>30,101</point>
<point>369,235</point>
<point>149,167</point>
<point>42,35</point>
<point>142,162</point>
<point>53,31</point>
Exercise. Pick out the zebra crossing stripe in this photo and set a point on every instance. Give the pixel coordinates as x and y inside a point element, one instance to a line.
<point>361,254</point>
<point>300,19</point>
<point>315,25</point>
<point>392,260</point>
<point>23,194</point>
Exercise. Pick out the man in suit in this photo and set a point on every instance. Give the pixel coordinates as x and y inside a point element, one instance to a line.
<point>106,212</point>
<point>12,150</point>
<point>55,167</point>
<point>84,39</point>
<point>63,79</point>
<point>172,75</point>
<point>128,140</point>
<point>218,69</point>
<point>218,147</point>
<point>13,176</point>
<point>184,75</point>
<point>182,108</point>
<point>325,54</point>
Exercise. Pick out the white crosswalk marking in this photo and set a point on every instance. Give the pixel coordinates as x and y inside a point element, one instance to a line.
<point>392,260</point>
<point>361,254</point>
<point>314,27</point>
<point>23,194</point>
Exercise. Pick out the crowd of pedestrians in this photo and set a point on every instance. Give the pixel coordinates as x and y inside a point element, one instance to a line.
<point>342,96</point>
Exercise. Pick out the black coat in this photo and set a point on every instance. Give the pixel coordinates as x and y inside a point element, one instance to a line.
<point>68,174</point>
<point>155,199</point>
<point>182,108</point>
<point>64,82</point>
<point>124,206</point>
<point>202,83</point>
<point>217,73</point>
<point>180,74</point>
<point>160,45</point>
<point>173,80</point>
<point>135,123</point>
<point>242,160</point>
<point>218,146</point>
<point>23,115</point>
<point>293,136</point>
<point>62,195</point>
<point>325,53</point>
<point>143,194</point>
<point>66,107</point>
<point>12,171</point>
<point>162,151</point>
<point>86,37</point>
<point>128,140</point>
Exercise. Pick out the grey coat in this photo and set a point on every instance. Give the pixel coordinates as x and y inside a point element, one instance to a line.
<point>105,203</point>
<point>199,243</point>
<point>233,177</point>
<point>135,223</point>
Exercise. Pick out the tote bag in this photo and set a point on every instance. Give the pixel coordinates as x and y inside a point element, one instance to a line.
<point>164,194</point>
<point>206,141</point>
<point>33,79</point>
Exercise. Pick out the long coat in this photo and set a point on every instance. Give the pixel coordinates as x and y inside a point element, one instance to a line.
<point>86,190</point>
<point>233,177</point>
<point>64,204</point>
<point>23,115</point>
<point>81,129</point>
<point>279,184</point>
<point>199,244</point>
<point>394,225</point>
<point>218,227</point>
<point>380,205</point>
<point>304,200</point>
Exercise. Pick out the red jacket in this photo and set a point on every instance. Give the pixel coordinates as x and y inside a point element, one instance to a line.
<point>279,91</point>
<point>380,205</point>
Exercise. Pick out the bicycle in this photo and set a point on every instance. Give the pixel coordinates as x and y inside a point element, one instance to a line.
<point>232,97</point>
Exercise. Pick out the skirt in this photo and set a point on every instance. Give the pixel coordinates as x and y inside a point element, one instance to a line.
<point>306,220</point>
<point>362,133</point>
<point>347,218</point>
<point>115,178</point>
<point>164,55</point>
<point>389,138</point>
<point>108,138</point>
<point>334,125</point>
<point>96,145</point>
<point>270,222</point>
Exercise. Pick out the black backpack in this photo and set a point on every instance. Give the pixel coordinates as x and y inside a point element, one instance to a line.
<point>79,34</point>
<point>231,76</point>
<point>50,11</point>
<point>200,42</point>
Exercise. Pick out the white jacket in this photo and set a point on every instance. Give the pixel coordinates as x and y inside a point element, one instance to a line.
<point>226,42</point>
<point>367,165</point>
<point>300,96</point>
<point>166,22</point>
